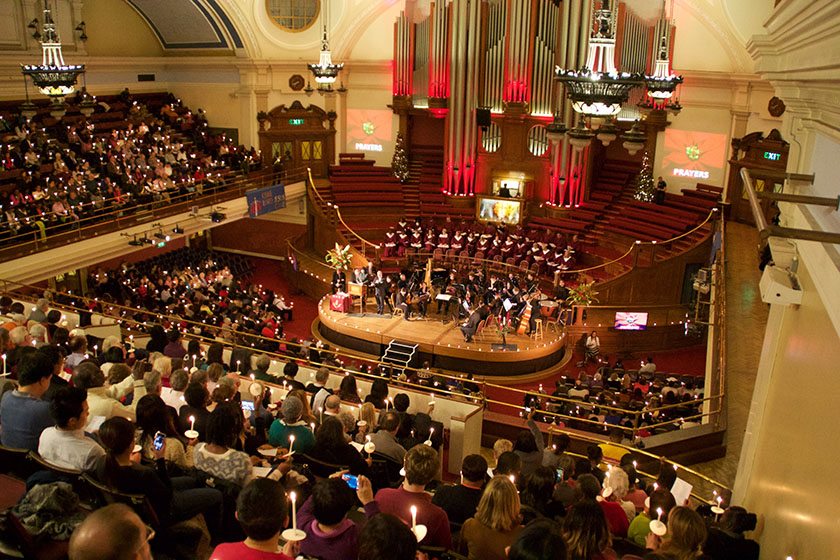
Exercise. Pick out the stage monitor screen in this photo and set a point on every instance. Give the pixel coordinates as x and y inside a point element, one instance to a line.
<point>500,210</point>
<point>627,321</point>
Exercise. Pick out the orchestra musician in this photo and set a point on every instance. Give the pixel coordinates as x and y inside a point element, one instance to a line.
<point>469,328</point>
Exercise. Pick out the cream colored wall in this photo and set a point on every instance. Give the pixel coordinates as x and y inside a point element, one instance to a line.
<point>792,485</point>
<point>107,24</point>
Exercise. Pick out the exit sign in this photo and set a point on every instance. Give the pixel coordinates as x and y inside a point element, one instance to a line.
<point>772,156</point>
<point>298,122</point>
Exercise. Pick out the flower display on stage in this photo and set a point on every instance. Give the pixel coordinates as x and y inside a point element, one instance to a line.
<point>340,257</point>
<point>582,294</point>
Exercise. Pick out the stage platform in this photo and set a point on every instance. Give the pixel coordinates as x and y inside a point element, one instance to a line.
<point>442,344</point>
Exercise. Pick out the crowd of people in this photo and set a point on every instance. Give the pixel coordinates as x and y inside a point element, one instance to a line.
<point>544,251</point>
<point>54,176</point>
<point>600,402</point>
<point>126,417</point>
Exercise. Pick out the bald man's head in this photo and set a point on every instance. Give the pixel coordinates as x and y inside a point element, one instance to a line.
<point>333,403</point>
<point>114,532</point>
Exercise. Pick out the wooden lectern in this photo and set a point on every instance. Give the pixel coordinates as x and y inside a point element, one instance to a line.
<point>358,290</point>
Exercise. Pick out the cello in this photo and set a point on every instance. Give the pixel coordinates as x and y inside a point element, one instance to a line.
<point>524,319</point>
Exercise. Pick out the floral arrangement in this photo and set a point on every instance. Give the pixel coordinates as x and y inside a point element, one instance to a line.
<point>340,257</point>
<point>582,294</point>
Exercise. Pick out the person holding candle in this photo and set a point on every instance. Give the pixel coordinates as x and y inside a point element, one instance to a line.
<point>367,414</point>
<point>660,499</point>
<point>331,447</point>
<point>685,538</point>
<point>323,517</point>
<point>196,398</point>
<point>291,425</point>
<point>421,466</point>
<point>586,534</point>
<point>385,439</point>
<point>496,524</point>
<point>262,511</point>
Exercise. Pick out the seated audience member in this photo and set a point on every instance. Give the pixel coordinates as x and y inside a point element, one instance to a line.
<point>290,371</point>
<point>174,348</point>
<point>727,541</point>
<point>332,447</point>
<point>538,496</point>
<point>496,524</point>
<point>613,512</point>
<point>39,312</point>
<point>529,446</point>
<point>618,484</point>
<point>323,517</point>
<point>262,364</point>
<point>660,499</point>
<point>539,540</point>
<point>113,532</point>
<point>319,388</point>
<point>367,414</point>
<point>281,430</point>
<point>684,539</point>
<point>78,351</point>
<point>214,373</point>
<point>566,491</point>
<point>153,416</point>
<point>88,376</point>
<point>378,393</point>
<point>262,511</point>
<point>172,500</point>
<point>421,467</point>
<point>552,455</point>
<point>635,495</point>
<point>197,398</point>
<point>217,456</point>
<point>348,390</point>
<point>586,534</point>
<point>509,464</point>
<point>55,355</point>
<point>500,446</point>
<point>596,455</point>
<point>385,537</point>
<point>174,394</point>
<point>121,382</point>
<point>385,438</point>
<point>23,415</point>
<point>332,406</point>
<point>65,445</point>
<point>460,501</point>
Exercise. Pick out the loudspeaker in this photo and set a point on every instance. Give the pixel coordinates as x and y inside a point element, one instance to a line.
<point>482,117</point>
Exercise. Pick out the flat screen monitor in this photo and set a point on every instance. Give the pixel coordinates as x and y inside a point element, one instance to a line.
<point>502,210</point>
<point>630,321</point>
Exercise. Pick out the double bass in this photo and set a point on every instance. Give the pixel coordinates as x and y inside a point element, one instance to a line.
<point>524,319</point>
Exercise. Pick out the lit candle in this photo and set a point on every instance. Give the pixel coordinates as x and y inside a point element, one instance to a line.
<point>192,423</point>
<point>291,443</point>
<point>659,514</point>
<point>413,517</point>
<point>293,496</point>
<point>94,350</point>
<point>194,360</point>
<point>238,364</point>
<point>312,425</point>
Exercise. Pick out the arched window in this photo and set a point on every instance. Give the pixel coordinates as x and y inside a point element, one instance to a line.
<point>293,15</point>
<point>491,138</point>
<point>537,140</point>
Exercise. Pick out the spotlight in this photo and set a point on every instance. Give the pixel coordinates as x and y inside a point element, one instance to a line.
<point>217,217</point>
<point>177,229</point>
<point>135,242</point>
<point>162,236</point>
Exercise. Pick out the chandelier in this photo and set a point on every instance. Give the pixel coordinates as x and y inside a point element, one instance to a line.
<point>325,71</point>
<point>597,94</point>
<point>662,83</point>
<point>53,77</point>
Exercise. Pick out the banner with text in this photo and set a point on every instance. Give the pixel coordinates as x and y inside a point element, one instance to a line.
<point>265,200</point>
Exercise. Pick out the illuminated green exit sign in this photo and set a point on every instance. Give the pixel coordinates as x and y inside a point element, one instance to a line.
<point>772,156</point>
<point>295,122</point>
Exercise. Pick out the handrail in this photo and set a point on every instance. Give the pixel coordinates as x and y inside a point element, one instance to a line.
<point>576,435</point>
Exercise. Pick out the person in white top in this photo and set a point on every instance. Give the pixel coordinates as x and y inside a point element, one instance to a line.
<point>174,395</point>
<point>648,367</point>
<point>593,348</point>
<point>88,376</point>
<point>66,445</point>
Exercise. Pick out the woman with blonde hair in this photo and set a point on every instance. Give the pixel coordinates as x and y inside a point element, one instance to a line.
<point>616,487</point>
<point>685,538</point>
<point>496,524</point>
<point>367,414</point>
<point>164,366</point>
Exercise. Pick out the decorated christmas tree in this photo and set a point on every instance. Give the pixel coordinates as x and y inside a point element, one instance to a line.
<point>399,165</point>
<point>645,187</point>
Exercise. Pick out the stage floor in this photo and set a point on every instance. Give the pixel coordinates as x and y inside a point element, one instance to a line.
<point>442,344</point>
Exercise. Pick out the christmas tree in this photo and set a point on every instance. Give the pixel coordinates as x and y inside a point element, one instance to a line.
<point>645,187</point>
<point>399,164</point>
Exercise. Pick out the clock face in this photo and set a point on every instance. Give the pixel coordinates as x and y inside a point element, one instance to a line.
<point>776,107</point>
<point>297,82</point>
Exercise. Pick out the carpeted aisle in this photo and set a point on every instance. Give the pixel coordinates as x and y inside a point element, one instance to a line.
<point>269,273</point>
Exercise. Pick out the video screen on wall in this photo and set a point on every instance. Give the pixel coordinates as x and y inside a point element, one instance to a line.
<point>630,321</point>
<point>690,156</point>
<point>500,210</point>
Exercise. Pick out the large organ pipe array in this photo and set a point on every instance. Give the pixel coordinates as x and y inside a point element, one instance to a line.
<point>501,54</point>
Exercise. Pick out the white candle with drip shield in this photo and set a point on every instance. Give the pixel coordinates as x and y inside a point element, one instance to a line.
<point>293,497</point>
<point>291,443</point>
<point>413,517</point>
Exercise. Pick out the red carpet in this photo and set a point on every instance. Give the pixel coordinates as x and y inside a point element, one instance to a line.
<point>269,273</point>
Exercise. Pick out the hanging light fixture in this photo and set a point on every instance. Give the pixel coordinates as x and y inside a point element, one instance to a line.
<point>53,77</point>
<point>599,89</point>
<point>28,110</point>
<point>555,130</point>
<point>580,137</point>
<point>325,71</point>
<point>634,139</point>
<point>607,132</point>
